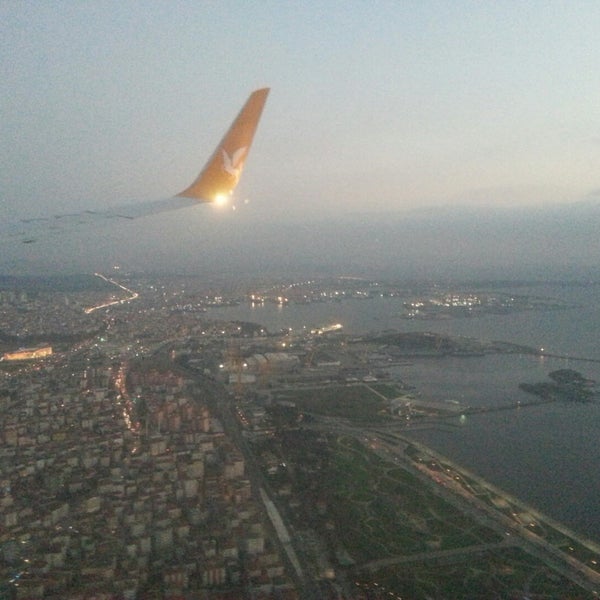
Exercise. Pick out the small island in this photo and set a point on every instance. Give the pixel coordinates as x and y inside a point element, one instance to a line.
<point>566,385</point>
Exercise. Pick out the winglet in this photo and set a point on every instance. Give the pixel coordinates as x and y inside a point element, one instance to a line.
<point>222,172</point>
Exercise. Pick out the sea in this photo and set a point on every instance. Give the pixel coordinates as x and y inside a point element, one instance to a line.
<point>547,455</point>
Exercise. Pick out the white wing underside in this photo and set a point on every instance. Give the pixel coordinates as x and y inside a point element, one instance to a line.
<point>30,230</point>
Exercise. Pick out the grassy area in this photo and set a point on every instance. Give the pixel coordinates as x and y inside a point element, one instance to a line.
<point>354,402</point>
<point>377,510</point>
<point>509,573</point>
<point>382,511</point>
<point>389,390</point>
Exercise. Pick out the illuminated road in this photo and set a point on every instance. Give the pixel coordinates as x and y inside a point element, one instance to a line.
<point>132,295</point>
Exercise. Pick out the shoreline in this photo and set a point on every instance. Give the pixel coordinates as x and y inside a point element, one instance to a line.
<point>570,563</point>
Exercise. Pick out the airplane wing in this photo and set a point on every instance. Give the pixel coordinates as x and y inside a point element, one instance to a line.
<point>222,172</point>
<point>30,230</point>
<point>215,183</point>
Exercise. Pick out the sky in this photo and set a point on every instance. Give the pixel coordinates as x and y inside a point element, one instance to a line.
<point>375,107</point>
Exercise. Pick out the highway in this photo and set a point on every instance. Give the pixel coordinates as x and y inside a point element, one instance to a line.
<point>437,555</point>
<point>222,406</point>
<point>132,295</point>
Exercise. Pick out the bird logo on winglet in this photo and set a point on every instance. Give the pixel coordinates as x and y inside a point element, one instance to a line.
<point>233,164</point>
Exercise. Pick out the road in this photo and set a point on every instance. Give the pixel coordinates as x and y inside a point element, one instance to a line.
<point>222,406</point>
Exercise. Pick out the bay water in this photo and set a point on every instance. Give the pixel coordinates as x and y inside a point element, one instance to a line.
<point>546,455</point>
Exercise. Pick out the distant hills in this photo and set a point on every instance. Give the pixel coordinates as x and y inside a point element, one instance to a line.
<point>52,283</point>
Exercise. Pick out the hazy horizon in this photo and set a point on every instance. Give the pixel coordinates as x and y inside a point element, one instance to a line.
<point>455,242</point>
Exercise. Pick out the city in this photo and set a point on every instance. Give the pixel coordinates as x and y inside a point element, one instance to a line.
<point>155,452</point>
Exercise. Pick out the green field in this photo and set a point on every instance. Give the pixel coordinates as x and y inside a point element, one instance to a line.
<point>401,539</point>
<point>381,511</point>
<point>354,402</point>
